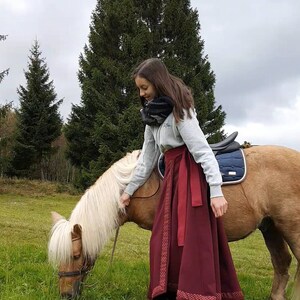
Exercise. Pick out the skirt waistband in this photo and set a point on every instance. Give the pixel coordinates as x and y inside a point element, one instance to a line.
<point>174,152</point>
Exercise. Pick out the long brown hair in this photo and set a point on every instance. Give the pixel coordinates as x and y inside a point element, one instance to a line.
<point>166,84</point>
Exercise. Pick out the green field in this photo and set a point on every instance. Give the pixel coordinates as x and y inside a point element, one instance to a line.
<point>25,273</point>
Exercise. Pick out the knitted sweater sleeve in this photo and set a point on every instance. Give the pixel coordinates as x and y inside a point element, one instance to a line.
<point>145,164</point>
<point>198,146</point>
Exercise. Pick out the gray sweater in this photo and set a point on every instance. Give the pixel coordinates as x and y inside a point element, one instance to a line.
<point>171,135</point>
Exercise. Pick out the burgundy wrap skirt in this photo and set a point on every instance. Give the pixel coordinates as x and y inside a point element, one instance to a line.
<point>189,252</point>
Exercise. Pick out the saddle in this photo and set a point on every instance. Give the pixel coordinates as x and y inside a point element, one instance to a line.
<point>230,157</point>
<point>227,145</point>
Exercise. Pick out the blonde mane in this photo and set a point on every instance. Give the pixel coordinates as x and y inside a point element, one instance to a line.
<point>97,213</point>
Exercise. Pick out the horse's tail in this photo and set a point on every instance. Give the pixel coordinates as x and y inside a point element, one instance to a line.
<point>296,290</point>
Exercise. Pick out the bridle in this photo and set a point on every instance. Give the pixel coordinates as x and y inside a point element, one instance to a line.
<point>85,269</point>
<point>82,272</point>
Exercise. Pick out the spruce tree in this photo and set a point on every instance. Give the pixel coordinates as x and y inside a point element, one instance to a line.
<point>106,123</point>
<point>38,119</point>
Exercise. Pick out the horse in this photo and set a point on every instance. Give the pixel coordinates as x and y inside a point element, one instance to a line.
<point>267,199</point>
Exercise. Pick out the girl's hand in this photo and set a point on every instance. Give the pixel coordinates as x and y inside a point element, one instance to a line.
<point>219,206</point>
<point>125,199</point>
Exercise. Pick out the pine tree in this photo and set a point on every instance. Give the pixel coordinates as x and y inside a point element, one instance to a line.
<point>5,72</point>
<point>38,119</point>
<point>106,124</point>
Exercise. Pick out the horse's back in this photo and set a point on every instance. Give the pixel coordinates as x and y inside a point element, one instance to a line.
<point>273,157</point>
<point>273,169</point>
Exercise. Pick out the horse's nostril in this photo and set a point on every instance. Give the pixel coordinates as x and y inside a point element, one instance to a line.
<point>66,296</point>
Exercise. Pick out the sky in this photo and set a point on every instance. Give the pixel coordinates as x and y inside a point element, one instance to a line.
<point>253,47</point>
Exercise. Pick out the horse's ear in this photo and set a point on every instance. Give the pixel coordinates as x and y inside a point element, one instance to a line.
<point>56,217</point>
<point>77,230</point>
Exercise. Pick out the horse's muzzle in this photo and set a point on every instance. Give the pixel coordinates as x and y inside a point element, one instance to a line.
<point>75,293</point>
<point>66,296</point>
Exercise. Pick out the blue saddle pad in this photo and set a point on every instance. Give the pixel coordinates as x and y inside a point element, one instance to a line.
<point>232,166</point>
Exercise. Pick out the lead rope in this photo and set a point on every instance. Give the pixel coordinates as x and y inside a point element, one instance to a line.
<point>113,251</point>
<point>111,257</point>
<point>114,247</point>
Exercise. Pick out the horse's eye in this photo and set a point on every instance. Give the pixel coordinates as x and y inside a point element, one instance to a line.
<point>75,257</point>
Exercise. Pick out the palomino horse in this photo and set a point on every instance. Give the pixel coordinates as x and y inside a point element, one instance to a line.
<point>268,199</point>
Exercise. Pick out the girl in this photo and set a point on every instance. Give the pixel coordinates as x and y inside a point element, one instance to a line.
<point>189,253</point>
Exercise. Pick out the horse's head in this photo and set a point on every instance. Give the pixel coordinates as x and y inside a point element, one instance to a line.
<point>74,270</point>
<point>71,275</point>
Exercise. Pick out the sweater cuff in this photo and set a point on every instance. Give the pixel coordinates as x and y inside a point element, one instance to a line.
<point>130,189</point>
<point>215,191</point>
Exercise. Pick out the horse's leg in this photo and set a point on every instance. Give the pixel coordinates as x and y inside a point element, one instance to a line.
<point>292,238</point>
<point>296,292</point>
<point>280,256</point>
<point>288,222</point>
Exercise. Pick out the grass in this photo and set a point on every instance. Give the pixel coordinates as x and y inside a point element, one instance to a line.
<point>25,273</point>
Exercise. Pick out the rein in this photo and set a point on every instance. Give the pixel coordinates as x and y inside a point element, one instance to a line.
<point>146,197</point>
